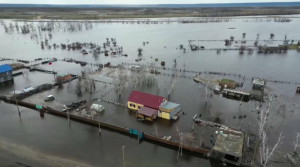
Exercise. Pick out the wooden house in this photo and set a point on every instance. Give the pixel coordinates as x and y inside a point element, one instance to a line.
<point>63,77</point>
<point>168,110</point>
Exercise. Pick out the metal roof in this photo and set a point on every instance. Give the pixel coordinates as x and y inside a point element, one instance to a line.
<point>259,82</point>
<point>148,100</point>
<point>5,68</point>
<point>169,105</point>
<point>147,111</point>
<point>230,144</point>
<point>62,75</point>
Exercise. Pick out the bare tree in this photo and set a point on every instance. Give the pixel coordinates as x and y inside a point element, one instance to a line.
<point>231,38</point>
<point>244,34</point>
<point>242,48</point>
<point>120,80</point>
<point>85,84</point>
<point>140,51</point>
<point>272,36</point>
<point>265,151</point>
<point>296,145</point>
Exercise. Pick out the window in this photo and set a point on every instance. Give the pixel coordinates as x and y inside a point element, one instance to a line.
<point>132,105</point>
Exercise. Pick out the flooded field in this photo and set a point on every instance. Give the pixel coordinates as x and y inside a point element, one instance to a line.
<point>162,42</point>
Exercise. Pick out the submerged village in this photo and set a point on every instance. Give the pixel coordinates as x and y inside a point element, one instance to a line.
<point>231,118</point>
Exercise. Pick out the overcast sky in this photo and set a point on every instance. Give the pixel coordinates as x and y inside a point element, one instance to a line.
<point>133,1</point>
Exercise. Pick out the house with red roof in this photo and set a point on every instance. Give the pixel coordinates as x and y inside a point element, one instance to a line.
<point>137,100</point>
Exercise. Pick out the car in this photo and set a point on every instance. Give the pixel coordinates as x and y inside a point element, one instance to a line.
<point>135,68</point>
<point>49,98</point>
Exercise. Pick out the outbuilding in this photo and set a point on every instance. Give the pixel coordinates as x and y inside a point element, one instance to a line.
<point>6,73</point>
<point>169,110</point>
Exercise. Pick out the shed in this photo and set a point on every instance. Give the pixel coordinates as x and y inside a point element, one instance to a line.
<point>147,113</point>
<point>229,148</point>
<point>258,83</point>
<point>137,99</point>
<point>5,73</point>
<point>168,110</point>
<point>63,77</point>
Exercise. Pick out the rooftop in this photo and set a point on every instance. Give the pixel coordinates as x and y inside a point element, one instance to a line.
<point>229,144</point>
<point>5,68</point>
<point>147,111</point>
<point>62,75</point>
<point>169,105</point>
<point>259,82</point>
<point>148,100</point>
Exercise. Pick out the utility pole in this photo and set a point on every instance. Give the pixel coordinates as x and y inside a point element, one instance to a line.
<point>99,128</point>
<point>17,103</point>
<point>68,117</point>
<point>123,155</point>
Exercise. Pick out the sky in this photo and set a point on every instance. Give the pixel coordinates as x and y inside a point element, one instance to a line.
<point>134,1</point>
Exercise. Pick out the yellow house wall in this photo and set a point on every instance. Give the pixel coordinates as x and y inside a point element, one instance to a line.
<point>165,115</point>
<point>136,105</point>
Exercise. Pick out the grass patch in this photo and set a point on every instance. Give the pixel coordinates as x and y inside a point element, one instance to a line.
<point>227,81</point>
<point>294,46</point>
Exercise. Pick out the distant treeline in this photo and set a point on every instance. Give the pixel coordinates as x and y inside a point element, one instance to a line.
<point>264,4</point>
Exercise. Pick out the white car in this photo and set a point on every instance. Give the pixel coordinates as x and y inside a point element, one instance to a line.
<point>135,68</point>
<point>49,98</point>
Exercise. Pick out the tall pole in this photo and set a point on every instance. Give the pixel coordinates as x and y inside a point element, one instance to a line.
<point>99,128</point>
<point>68,117</point>
<point>17,103</point>
<point>123,155</point>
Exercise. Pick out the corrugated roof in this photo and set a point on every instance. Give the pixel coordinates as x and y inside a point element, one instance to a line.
<point>5,68</point>
<point>148,100</point>
<point>169,105</point>
<point>232,144</point>
<point>147,111</point>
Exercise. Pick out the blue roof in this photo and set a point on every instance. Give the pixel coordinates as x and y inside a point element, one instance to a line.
<point>169,105</point>
<point>5,68</point>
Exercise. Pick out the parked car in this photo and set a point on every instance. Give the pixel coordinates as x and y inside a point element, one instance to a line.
<point>49,98</point>
<point>135,68</point>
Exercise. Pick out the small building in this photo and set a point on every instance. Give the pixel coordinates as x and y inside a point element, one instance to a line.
<point>258,84</point>
<point>227,83</point>
<point>168,110</point>
<point>237,95</point>
<point>5,73</point>
<point>147,113</point>
<point>137,100</point>
<point>228,148</point>
<point>272,47</point>
<point>63,77</point>
<point>298,90</point>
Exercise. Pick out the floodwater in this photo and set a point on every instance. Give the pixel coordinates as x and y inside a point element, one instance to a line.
<point>164,40</point>
<point>50,141</point>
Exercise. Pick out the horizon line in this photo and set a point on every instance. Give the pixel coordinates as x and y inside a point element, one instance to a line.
<point>153,3</point>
